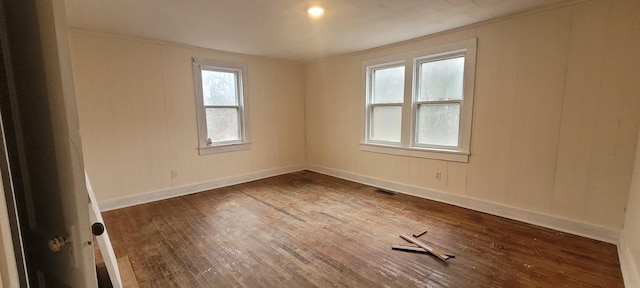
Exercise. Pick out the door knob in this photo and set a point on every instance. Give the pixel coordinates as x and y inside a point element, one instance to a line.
<point>97,229</point>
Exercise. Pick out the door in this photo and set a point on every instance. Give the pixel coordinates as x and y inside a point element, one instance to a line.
<point>43,154</point>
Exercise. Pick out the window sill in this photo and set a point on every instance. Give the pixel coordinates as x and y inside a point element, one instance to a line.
<point>224,148</point>
<point>454,156</point>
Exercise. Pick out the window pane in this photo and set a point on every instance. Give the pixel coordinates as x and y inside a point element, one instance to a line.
<point>386,123</point>
<point>219,88</point>
<point>222,124</point>
<point>441,80</point>
<point>438,124</point>
<point>388,85</point>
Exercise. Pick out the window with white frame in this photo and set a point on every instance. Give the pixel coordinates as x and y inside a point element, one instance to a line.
<point>438,98</point>
<point>221,105</point>
<point>432,118</point>
<point>386,101</point>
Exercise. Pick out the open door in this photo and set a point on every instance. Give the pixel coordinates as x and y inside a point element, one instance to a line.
<point>42,162</point>
<point>104,242</point>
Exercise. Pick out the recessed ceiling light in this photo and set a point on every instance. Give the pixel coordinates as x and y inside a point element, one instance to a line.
<point>315,11</point>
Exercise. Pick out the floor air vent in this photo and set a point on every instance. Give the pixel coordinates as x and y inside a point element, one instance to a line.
<point>385,192</point>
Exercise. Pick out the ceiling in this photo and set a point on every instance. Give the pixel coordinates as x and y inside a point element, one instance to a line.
<point>281,28</point>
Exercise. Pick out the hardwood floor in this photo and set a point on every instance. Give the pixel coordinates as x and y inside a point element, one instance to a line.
<point>306,229</point>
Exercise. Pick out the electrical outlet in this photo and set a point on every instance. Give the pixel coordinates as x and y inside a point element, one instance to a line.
<point>174,174</point>
<point>438,175</point>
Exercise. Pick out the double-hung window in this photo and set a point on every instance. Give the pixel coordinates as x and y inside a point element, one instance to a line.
<point>420,103</point>
<point>386,87</point>
<point>220,97</point>
<point>438,98</point>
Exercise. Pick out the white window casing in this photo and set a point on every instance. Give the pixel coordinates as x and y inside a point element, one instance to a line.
<point>222,110</point>
<point>413,142</point>
<point>373,104</point>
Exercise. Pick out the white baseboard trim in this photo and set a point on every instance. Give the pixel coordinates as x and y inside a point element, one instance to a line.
<point>556,223</point>
<point>127,201</point>
<point>627,265</point>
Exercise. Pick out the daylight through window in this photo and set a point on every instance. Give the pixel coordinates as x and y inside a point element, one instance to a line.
<point>432,119</point>
<point>387,97</point>
<point>221,110</point>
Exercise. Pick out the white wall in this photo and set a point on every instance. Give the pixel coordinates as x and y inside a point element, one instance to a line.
<point>555,119</point>
<point>138,122</point>
<point>630,236</point>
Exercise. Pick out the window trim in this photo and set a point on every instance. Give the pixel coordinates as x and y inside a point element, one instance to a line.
<point>369,95</point>
<point>240,69</point>
<point>417,62</point>
<point>412,60</point>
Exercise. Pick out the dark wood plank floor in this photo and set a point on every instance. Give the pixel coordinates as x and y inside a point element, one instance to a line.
<point>310,230</point>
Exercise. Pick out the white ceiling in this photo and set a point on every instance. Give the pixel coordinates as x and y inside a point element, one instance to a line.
<point>281,28</point>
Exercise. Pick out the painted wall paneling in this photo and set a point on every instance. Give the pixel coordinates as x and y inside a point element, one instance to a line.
<point>137,113</point>
<point>555,115</point>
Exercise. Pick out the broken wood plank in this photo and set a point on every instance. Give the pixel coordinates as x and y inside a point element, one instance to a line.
<point>409,247</point>
<point>418,236</point>
<point>415,248</point>
<point>440,255</point>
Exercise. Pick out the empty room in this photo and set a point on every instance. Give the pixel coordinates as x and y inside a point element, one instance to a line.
<point>342,143</point>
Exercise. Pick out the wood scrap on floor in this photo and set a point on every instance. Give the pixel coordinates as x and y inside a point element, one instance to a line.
<point>410,247</point>
<point>418,236</point>
<point>420,246</point>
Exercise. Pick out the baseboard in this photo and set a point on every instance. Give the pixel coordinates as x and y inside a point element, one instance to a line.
<point>627,265</point>
<point>556,223</point>
<point>127,201</point>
